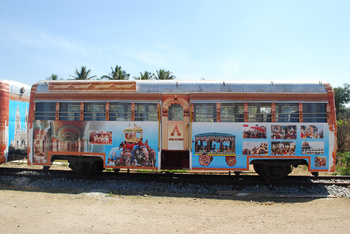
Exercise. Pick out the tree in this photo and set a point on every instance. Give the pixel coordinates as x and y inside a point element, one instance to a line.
<point>83,74</point>
<point>164,75</point>
<point>145,76</point>
<point>53,77</point>
<point>343,127</point>
<point>116,74</point>
<point>342,97</point>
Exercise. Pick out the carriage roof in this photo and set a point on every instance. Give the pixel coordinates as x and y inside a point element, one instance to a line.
<point>180,86</point>
<point>17,87</point>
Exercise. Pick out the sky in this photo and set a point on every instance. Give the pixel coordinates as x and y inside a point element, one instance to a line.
<point>236,40</point>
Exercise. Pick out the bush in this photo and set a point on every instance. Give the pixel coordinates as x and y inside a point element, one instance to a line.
<point>344,168</point>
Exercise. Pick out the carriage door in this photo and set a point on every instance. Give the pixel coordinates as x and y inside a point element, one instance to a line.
<point>175,131</point>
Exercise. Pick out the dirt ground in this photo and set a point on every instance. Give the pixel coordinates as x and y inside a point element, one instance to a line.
<point>98,212</point>
<point>33,211</point>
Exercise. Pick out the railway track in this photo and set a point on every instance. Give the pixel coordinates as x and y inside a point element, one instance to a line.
<point>197,178</point>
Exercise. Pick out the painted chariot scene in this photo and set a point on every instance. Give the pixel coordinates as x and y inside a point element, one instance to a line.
<point>133,151</point>
<point>208,145</point>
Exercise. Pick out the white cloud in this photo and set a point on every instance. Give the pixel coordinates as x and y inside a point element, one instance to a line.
<point>34,37</point>
<point>161,55</point>
<point>230,68</point>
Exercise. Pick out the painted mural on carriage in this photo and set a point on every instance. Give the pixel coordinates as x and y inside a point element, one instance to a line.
<point>129,144</point>
<point>223,145</point>
<point>17,131</point>
<point>134,151</point>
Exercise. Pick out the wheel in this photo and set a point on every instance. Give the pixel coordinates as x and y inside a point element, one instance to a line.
<point>83,169</point>
<point>97,167</point>
<point>275,173</point>
<point>258,169</point>
<point>230,160</point>
<point>46,169</point>
<point>237,173</point>
<point>204,160</point>
<point>314,174</point>
<point>87,169</point>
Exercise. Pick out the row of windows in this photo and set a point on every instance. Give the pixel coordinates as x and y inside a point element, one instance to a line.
<point>202,112</point>
<point>96,111</point>
<point>260,112</point>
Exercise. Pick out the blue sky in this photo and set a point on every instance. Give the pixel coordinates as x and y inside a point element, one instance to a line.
<point>216,40</point>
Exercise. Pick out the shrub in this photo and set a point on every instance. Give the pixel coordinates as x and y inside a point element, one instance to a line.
<point>344,169</point>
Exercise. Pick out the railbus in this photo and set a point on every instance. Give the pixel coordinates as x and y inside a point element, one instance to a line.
<point>192,125</point>
<point>14,105</point>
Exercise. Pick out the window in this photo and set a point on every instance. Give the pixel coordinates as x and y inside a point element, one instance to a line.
<point>314,112</point>
<point>259,112</point>
<point>231,112</point>
<point>287,112</point>
<point>176,112</point>
<point>205,112</point>
<point>145,112</point>
<point>94,111</point>
<point>70,111</point>
<point>120,111</point>
<point>45,110</point>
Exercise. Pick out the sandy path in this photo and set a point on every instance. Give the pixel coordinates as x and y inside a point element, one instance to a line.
<point>39,212</point>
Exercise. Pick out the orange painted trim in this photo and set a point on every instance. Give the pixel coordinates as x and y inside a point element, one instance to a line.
<point>98,96</point>
<point>259,96</point>
<point>126,167</point>
<point>52,153</point>
<point>19,98</point>
<point>4,118</point>
<point>31,113</point>
<point>221,169</point>
<point>261,157</point>
<point>91,86</point>
<point>284,157</point>
<point>332,122</point>
<point>75,153</point>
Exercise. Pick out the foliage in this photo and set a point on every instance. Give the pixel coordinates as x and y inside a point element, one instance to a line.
<point>116,74</point>
<point>172,171</point>
<point>84,74</point>
<point>342,97</point>
<point>164,75</point>
<point>145,76</point>
<point>53,77</point>
<point>344,169</point>
<point>343,135</point>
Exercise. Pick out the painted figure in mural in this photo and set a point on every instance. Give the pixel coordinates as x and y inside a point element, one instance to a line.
<point>133,151</point>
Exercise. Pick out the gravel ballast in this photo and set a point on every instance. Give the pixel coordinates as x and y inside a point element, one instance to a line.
<point>138,187</point>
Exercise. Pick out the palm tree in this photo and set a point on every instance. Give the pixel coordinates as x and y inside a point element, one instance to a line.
<point>53,77</point>
<point>83,74</point>
<point>145,76</point>
<point>116,74</point>
<point>164,75</point>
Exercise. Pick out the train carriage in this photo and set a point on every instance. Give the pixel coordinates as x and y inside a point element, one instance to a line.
<point>14,106</point>
<point>199,125</point>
